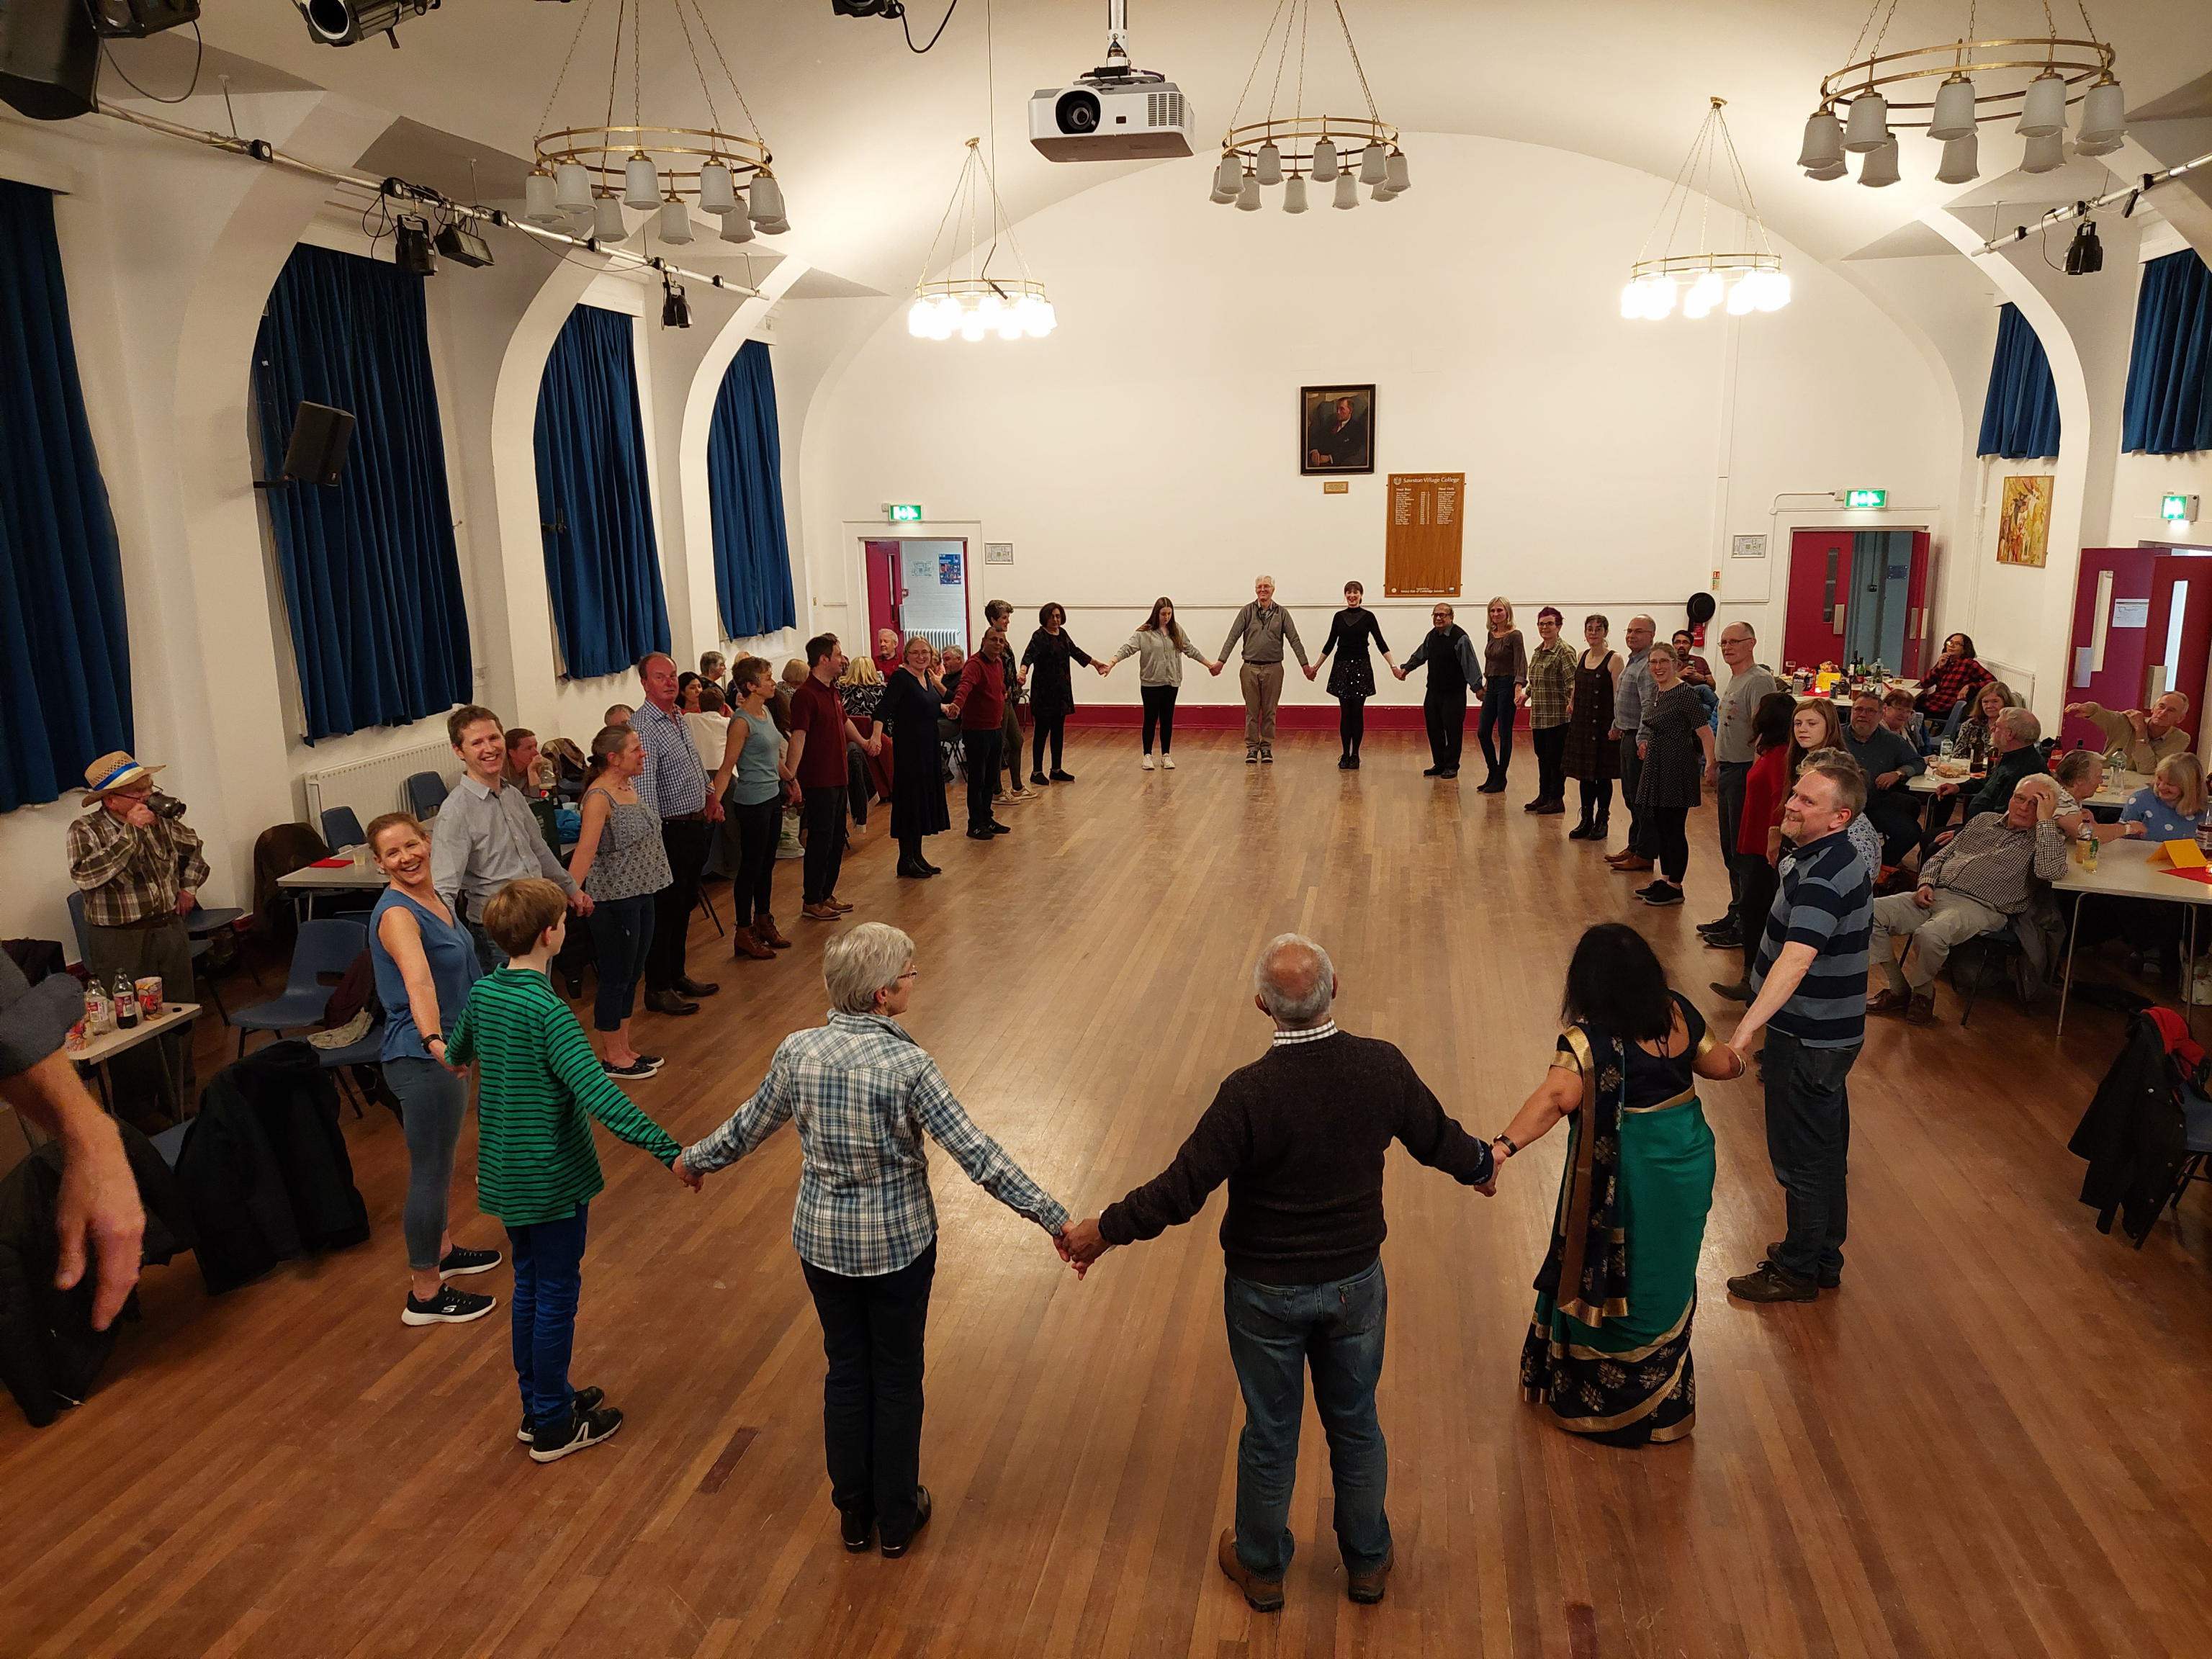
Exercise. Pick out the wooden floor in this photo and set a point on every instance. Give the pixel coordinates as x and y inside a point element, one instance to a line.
<point>1993,1441</point>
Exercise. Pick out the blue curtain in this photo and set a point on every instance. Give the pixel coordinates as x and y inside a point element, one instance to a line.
<point>64,653</point>
<point>2169,408</point>
<point>744,490</point>
<point>372,581</point>
<point>594,505</point>
<point>2020,417</point>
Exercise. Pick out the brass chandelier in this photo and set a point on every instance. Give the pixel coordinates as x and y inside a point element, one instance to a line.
<point>1948,89</point>
<point>1289,148</point>
<point>979,302</point>
<point>594,171</point>
<point>1738,271</point>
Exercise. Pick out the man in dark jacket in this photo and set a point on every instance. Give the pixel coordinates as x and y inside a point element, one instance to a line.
<point>1300,1136</point>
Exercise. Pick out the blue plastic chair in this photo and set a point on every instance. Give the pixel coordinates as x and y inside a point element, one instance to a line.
<point>342,827</point>
<point>76,920</point>
<point>425,794</point>
<point>326,945</point>
<point>366,1052</point>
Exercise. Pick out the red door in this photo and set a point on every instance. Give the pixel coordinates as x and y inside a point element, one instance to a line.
<point>2110,649</point>
<point>1819,592</point>
<point>885,594</point>
<point>2180,632</point>
<point>1916,619</point>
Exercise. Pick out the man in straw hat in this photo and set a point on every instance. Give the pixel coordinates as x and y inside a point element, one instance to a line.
<point>140,868</point>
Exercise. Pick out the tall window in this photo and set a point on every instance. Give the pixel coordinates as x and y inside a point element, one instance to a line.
<point>371,580</point>
<point>744,485</point>
<point>594,501</point>
<point>64,653</point>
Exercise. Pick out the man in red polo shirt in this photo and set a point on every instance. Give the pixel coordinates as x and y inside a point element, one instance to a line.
<point>980,705</point>
<point>819,731</point>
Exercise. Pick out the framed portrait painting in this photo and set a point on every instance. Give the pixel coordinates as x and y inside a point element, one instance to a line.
<point>2024,521</point>
<point>1336,430</point>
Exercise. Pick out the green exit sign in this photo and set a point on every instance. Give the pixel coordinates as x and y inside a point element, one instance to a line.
<point>1876,499</point>
<point>2179,510</point>
<point>902,513</point>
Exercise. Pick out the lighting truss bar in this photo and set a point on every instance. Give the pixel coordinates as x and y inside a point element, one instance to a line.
<point>260,150</point>
<point>2127,193</point>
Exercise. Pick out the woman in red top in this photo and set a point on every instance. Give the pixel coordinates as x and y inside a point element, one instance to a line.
<point>1766,787</point>
<point>1953,680</point>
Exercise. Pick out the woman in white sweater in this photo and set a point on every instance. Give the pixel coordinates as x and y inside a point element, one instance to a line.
<point>1159,647</point>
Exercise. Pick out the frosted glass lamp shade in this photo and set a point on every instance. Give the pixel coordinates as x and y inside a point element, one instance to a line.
<point>572,187</point>
<point>2104,115</point>
<point>1824,141</point>
<point>537,203</point>
<point>919,316</point>
<point>1324,161</point>
<point>1954,110</point>
<point>1704,294</point>
<point>2045,154</point>
<point>1382,192</point>
<point>1396,174</point>
<point>1832,170</point>
<point>1869,126</point>
<point>674,223</point>
<point>1247,193</point>
<point>2101,146</point>
<point>1230,175</point>
<point>1632,300</point>
<point>2043,111</point>
<point>641,183</point>
<point>1294,194</point>
<point>1268,166</point>
<point>1878,167</point>
<point>1347,189</point>
<point>1744,295</point>
<point>1374,164</point>
<point>608,224</point>
<point>768,204</point>
<point>1223,197</point>
<point>738,225</point>
<point>718,194</point>
<point>1961,161</point>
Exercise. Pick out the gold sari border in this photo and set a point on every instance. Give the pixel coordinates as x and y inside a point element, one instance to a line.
<point>1622,1419</point>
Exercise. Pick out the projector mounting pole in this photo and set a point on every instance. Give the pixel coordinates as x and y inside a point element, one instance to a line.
<point>1116,66</point>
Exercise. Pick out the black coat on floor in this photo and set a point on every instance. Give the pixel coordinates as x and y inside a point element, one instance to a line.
<point>2133,1134</point>
<point>264,1169</point>
<point>49,1354</point>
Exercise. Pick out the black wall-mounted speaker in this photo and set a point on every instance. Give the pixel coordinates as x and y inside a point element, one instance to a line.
<point>49,56</point>
<point>136,19</point>
<point>320,438</point>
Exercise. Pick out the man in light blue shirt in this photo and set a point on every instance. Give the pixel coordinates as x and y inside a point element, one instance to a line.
<point>485,835</point>
<point>1630,698</point>
<point>674,785</point>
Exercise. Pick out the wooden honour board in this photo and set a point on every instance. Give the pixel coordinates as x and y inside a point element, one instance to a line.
<point>1421,545</point>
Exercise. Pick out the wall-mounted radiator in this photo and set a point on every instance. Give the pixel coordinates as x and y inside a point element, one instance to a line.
<point>372,787</point>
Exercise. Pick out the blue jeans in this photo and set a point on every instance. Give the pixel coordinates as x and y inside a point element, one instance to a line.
<point>549,1276</point>
<point>621,934</point>
<point>1808,1140</point>
<point>1275,1332</point>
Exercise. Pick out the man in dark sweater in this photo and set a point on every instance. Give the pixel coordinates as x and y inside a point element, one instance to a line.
<point>1890,762</point>
<point>1299,1137</point>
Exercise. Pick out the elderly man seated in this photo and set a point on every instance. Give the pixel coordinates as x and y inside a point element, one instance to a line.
<point>1976,883</point>
<point>2139,738</point>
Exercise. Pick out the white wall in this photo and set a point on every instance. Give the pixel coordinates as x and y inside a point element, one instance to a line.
<point>1150,444</point>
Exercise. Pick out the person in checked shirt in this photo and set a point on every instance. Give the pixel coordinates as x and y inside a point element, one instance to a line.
<point>863,1093</point>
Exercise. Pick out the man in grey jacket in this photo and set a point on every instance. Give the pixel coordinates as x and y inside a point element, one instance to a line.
<point>1261,629</point>
<point>1747,684</point>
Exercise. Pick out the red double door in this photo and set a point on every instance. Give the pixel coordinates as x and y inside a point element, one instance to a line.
<point>2143,625</point>
<point>1862,591</point>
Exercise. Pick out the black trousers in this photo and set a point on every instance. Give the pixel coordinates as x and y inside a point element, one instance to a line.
<point>872,1336</point>
<point>1729,825</point>
<point>825,841</point>
<point>1551,742</point>
<point>1495,730</point>
<point>1896,818</point>
<point>1755,904</point>
<point>1667,839</point>
<point>686,841</point>
<point>1597,800</point>
<point>1631,769</point>
<point>1446,719</point>
<point>983,749</point>
<point>752,884</point>
<point>1159,710</point>
<point>1042,727</point>
<point>1351,722</point>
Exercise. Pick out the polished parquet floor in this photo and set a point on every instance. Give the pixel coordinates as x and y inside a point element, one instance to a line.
<point>1993,1441</point>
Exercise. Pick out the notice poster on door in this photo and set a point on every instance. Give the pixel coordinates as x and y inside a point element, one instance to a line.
<point>948,570</point>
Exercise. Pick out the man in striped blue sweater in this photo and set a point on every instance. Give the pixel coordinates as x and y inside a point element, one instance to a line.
<point>1809,995</point>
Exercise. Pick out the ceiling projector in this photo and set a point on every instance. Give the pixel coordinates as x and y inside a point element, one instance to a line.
<point>1115,112</point>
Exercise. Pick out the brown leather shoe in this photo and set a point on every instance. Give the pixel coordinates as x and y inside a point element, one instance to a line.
<point>742,944</point>
<point>1262,1594</point>
<point>1921,1011</point>
<point>1886,1001</point>
<point>838,904</point>
<point>764,930</point>
<point>1631,865</point>
<point>1366,1588</point>
<point>821,913</point>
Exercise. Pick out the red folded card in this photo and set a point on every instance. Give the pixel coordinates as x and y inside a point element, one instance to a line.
<point>332,864</point>
<point>2204,876</point>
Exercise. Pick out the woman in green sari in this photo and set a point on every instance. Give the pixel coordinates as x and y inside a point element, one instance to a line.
<point>1608,1353</point>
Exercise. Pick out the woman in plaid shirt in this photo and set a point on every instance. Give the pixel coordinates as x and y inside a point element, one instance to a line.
<point>863,1093</point>
<point>1551,678</point>
<point>1953,681</point>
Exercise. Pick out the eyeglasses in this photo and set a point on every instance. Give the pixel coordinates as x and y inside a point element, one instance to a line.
<point>903,978</point>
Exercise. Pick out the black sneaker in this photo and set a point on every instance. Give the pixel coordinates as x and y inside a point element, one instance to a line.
<point>998,828</point>
<point>1717,925</point>
<point>459,1263</point>
<point>643,1066</point>
<point>449,1307</point>
<point>893,1551</point>
<point>1829,1277</point>
<point>855,1528</point>
<point>1267,757</point>
<point>1728,940</point>
<point>584,1429</point>
<point>1661,893</point>
<point>587,1400</point>
<point>1058,776</point>
<point>1251,758</point>
<point>1040,779</point>
<point>1773,1284</point>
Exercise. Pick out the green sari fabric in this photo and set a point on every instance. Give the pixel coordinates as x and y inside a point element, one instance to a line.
<point>1639,1169</point>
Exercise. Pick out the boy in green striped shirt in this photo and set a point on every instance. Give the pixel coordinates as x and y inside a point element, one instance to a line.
<point>536,1170</point>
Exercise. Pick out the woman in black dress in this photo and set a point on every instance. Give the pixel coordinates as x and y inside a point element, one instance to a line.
<point>1677,746</point>
<point>912,699</point>
<point>1593,757</point>
<point>1351,681</point>
<point>1052,692</point>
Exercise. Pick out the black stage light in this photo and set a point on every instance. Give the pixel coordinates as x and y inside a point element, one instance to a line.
<point>136,19</point>
<point>867,8</point>
<point>344,23</point>
<point>464,246</point>
<point>410,246</point>
<point>2085,254</point>
<point>675,309</point>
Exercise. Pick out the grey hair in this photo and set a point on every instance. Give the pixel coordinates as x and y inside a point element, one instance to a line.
<point>2076,765</point>
<point>1750,634</point>
<point>1295,979</point>
<point>863,961</point>
<point>2036,783</point>
<point>2022,724</point>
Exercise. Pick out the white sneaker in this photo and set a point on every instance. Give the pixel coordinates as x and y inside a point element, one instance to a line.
<point>1168,760</point>
<point>1148,762</point>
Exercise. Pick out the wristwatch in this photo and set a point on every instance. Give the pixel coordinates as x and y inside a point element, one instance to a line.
<point>1506,1141</point>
